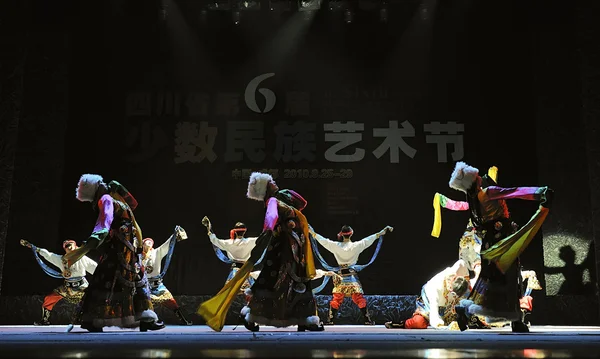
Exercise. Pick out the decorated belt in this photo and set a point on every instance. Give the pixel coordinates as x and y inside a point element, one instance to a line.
<point>155,282</point>
<point>346,272</point>
<point>76,283</point>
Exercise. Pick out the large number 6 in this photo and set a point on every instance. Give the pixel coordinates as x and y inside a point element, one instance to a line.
<point>250,94</point>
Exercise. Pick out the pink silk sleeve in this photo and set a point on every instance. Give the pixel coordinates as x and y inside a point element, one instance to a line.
<point>106,215</point>
<point>525,193</point>
<point>456,205</point>
<point>272,215</point>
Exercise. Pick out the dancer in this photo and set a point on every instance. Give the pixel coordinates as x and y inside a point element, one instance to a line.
<point>496,292</point>
<point>530,283</point>
<point>118,294</point>
<point>74,279</point>
<point>435,306</point>
<point>152,261</point>
<point>282,295</point>
<point>346,253</point>
<point>238,248</point>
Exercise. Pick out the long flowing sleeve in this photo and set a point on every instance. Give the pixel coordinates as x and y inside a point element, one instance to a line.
<point>271,215</point>
<point>326,243</point>
<point>89,264</point>
<point>433,295</point>
<point>366,242</point>
<point>223,244</point>
<point>105,219</point>
<point>99,234</point>
<point>440,201</point>
<point>525,193</point>
<point>163,250</point>
<point>53,258</point>
<point>453,205</point>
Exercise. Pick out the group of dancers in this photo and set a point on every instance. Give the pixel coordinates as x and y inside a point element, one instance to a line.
<point>275,272</point>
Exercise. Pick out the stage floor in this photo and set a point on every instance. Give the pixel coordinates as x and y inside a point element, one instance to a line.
<point>336,342</point>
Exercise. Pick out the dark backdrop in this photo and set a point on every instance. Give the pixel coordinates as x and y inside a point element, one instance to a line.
<point>459,61</point>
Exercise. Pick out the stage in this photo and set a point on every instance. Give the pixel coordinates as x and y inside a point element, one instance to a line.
<point>336,342</point>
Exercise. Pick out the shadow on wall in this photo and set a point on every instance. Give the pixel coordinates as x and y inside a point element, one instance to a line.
<point>569,266</point>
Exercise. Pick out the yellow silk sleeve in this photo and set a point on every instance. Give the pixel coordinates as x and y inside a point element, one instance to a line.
<point>437,217</point>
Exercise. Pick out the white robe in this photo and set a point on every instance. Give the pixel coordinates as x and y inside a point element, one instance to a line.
<point>238,250</point>
<point>346,253</point>
<point>153,259</point>
<point>79,269</point>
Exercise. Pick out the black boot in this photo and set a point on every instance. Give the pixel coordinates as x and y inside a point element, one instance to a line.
<point>392,325</point>
<point>181,317</point>
<point>366,316</point>
<point>253,327</point>
<point>476,323</point>
<point>45,317</point>
<point>153,325</point>
<point>331,316</point>
<point>461,318</point>
<point>311,328</point>
<point>91,328</point>
<point>519,326</point>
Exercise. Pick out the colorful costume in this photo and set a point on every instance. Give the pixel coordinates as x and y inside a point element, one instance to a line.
<point>346,253</point>
<point>435,306</point>
<point>118,294</point>
<point>74,279</point>
<point>496,292</point>
<point>238,248</point>
<point>282,294</point>
<point>525,302</point>
<point>152,261</point>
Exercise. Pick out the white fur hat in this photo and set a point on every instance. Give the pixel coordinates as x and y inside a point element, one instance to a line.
<point>87,187</point>
<point>257,186</point>
<point>463,177</point>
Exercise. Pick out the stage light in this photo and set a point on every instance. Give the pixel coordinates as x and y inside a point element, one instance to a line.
<point>236,16</point>
<point>309,5</point>
<point>338,5</point>
<point>219,5</point>
<point>248,5</point>
<point>383,14</point>
<point>280,6</point>
<point>163,10</point>
<point>348,16</point>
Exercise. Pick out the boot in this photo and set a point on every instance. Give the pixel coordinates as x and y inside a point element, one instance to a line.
<point>366,316</point>
<point>91,328</point>
<point>392,325</point>
<point>153,325</point>
<point>461,318</point>
<point>311,328</point>
<point>519,326</point>
<point>45,317</point>
<point>253,327</point>
<point>181,317</point>
<point>476,323</point>
<point>331,316</point>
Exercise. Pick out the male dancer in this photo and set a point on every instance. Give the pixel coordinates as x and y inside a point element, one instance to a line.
<point>238,248</point>
<point>346,253</point>
<point>74,279</point>
<point>152,261</point>
<point>118,294</point>
<point>496,293</point>
<point>282,295</point>
<point>435,306</point>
